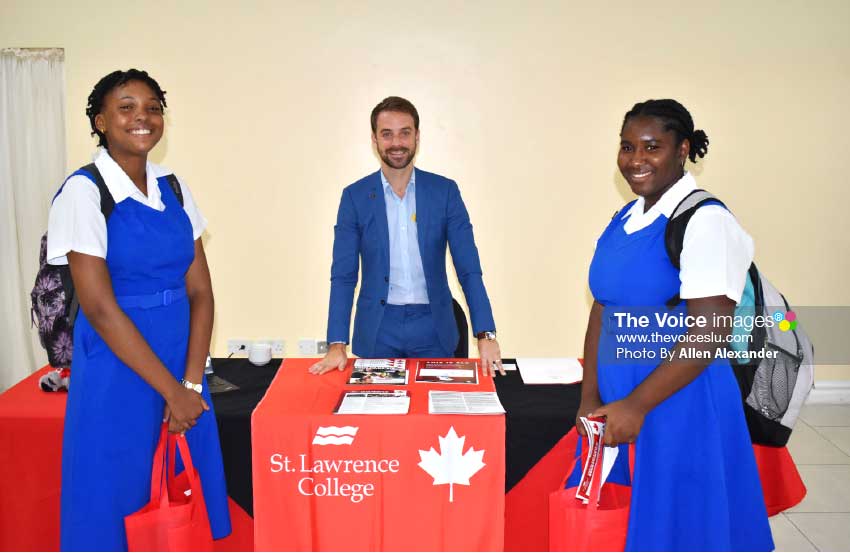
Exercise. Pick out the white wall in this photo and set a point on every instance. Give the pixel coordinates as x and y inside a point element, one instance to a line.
<point>521,103</point>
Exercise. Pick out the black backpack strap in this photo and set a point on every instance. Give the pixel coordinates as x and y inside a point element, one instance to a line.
<point>674,232</point>
<point>175,187</point>
<point>107,202</point>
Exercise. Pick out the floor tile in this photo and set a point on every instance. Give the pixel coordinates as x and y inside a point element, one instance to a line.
<point>828,489</point>
<point>826,415</point>
<point>808,447</point>
<point>838,435</point>
<point>786,536</point>
<point>828,531</point>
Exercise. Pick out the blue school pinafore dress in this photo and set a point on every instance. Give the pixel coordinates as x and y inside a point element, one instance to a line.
<point>113,417</point>
<point>696,486</point>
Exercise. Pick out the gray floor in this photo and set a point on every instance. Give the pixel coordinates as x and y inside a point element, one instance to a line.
<point>820,446</point>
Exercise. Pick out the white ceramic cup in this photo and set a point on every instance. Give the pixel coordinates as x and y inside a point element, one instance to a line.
<point>260,353</point>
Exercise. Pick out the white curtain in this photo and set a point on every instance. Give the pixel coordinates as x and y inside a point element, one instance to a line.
<point>32,166</point>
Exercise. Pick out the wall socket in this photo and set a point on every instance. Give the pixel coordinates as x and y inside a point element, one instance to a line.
<point>241,345</point>
<point>278,347</point>
<point>238,345</point>
<point>308,346</point>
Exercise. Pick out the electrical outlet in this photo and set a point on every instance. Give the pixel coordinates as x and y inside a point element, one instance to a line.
<point>321,347</point>
<point>307,346</point>
<point>238,345</point>
<point>278,346</point>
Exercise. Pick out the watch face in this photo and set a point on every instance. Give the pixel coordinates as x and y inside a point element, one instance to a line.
<point>194,387</point>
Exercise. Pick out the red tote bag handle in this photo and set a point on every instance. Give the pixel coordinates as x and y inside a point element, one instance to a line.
<point>158,471</point>
<point>596,482</point>
<point>176,518</point>
<point>164,468</point>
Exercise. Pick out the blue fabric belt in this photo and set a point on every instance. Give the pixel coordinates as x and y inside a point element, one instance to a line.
<point>148,301</point>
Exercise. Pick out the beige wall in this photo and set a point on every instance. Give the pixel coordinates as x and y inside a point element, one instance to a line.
<point>520,103</point>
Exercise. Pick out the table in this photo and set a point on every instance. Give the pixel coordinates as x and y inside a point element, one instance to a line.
<point>537,447</point>
<point>326,482</point>
<point>537,451</point>
<point>31,424</point>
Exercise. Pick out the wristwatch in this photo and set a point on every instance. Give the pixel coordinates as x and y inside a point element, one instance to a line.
<point>192,386</point>
<point>486,335</point>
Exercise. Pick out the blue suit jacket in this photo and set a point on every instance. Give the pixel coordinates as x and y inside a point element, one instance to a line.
<point>362,233</point>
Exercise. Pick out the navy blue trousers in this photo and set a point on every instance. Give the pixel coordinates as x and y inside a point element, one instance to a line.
<point>408,331</point>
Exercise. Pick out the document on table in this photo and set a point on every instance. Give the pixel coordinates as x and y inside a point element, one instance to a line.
<point>447,372</point>
<point>379,371</point>
<point>219,385</point>
<point>374,402</point>
<point>549,370</point>
<point>464,403</point>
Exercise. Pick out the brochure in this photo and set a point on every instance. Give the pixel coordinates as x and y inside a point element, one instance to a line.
<point>447,372</point>
<point>464,403</point>
<point>599,457</point>
<point>374,402</point>
<point>379,371</point>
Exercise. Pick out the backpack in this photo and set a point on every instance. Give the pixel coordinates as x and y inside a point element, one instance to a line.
<point>775,386</point>
<point>54,302</point>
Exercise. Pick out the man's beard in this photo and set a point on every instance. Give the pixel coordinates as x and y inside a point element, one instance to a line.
<point>385,156</point>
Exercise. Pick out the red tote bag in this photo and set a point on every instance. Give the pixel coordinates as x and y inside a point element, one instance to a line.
<point>176,518</point>
<point>602,526</point>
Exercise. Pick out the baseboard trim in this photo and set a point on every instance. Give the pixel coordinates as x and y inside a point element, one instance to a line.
<point>829,391</point>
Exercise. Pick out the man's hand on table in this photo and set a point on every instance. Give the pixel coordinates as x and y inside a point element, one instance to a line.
<point>335,358</point>
<point>491,357</point>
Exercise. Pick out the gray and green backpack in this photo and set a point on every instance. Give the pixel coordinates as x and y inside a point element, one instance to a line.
<point>773,389</point>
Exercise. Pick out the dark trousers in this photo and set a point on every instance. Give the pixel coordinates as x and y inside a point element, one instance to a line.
<point>408,331</point>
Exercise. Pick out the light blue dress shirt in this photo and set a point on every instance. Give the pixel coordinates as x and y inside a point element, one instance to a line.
<point>407,278</point>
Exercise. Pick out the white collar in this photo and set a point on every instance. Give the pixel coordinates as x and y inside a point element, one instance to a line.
<point>668,202</point>
<point>120,185</point>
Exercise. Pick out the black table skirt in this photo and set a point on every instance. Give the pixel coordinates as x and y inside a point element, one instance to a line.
<point>537,417</point>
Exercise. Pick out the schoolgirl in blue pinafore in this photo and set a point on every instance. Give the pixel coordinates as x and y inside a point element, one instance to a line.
<point>113,417</point>
<point>696,485</point>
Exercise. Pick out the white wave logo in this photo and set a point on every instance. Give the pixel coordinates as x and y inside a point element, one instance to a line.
<point>335,435</point>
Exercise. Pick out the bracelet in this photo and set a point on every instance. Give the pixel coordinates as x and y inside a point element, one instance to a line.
<point>192,386</point>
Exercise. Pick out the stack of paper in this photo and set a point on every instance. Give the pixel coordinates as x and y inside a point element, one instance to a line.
<point>374,402</point>
<point>555,370</point>
<point>464,403</point>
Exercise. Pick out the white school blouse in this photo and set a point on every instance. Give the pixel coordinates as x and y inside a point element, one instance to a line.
<point>76,222</point>
<point>716,252</point>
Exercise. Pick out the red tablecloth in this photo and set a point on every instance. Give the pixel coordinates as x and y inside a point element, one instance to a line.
<point>30,466</point>
<point>30,479</point>
<point>367,487</point>
<point>31,424</point>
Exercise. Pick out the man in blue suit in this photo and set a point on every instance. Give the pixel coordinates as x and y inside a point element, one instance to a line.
<point>398,221</point>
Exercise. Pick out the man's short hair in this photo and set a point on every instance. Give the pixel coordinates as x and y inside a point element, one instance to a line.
<point>394,103</point>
